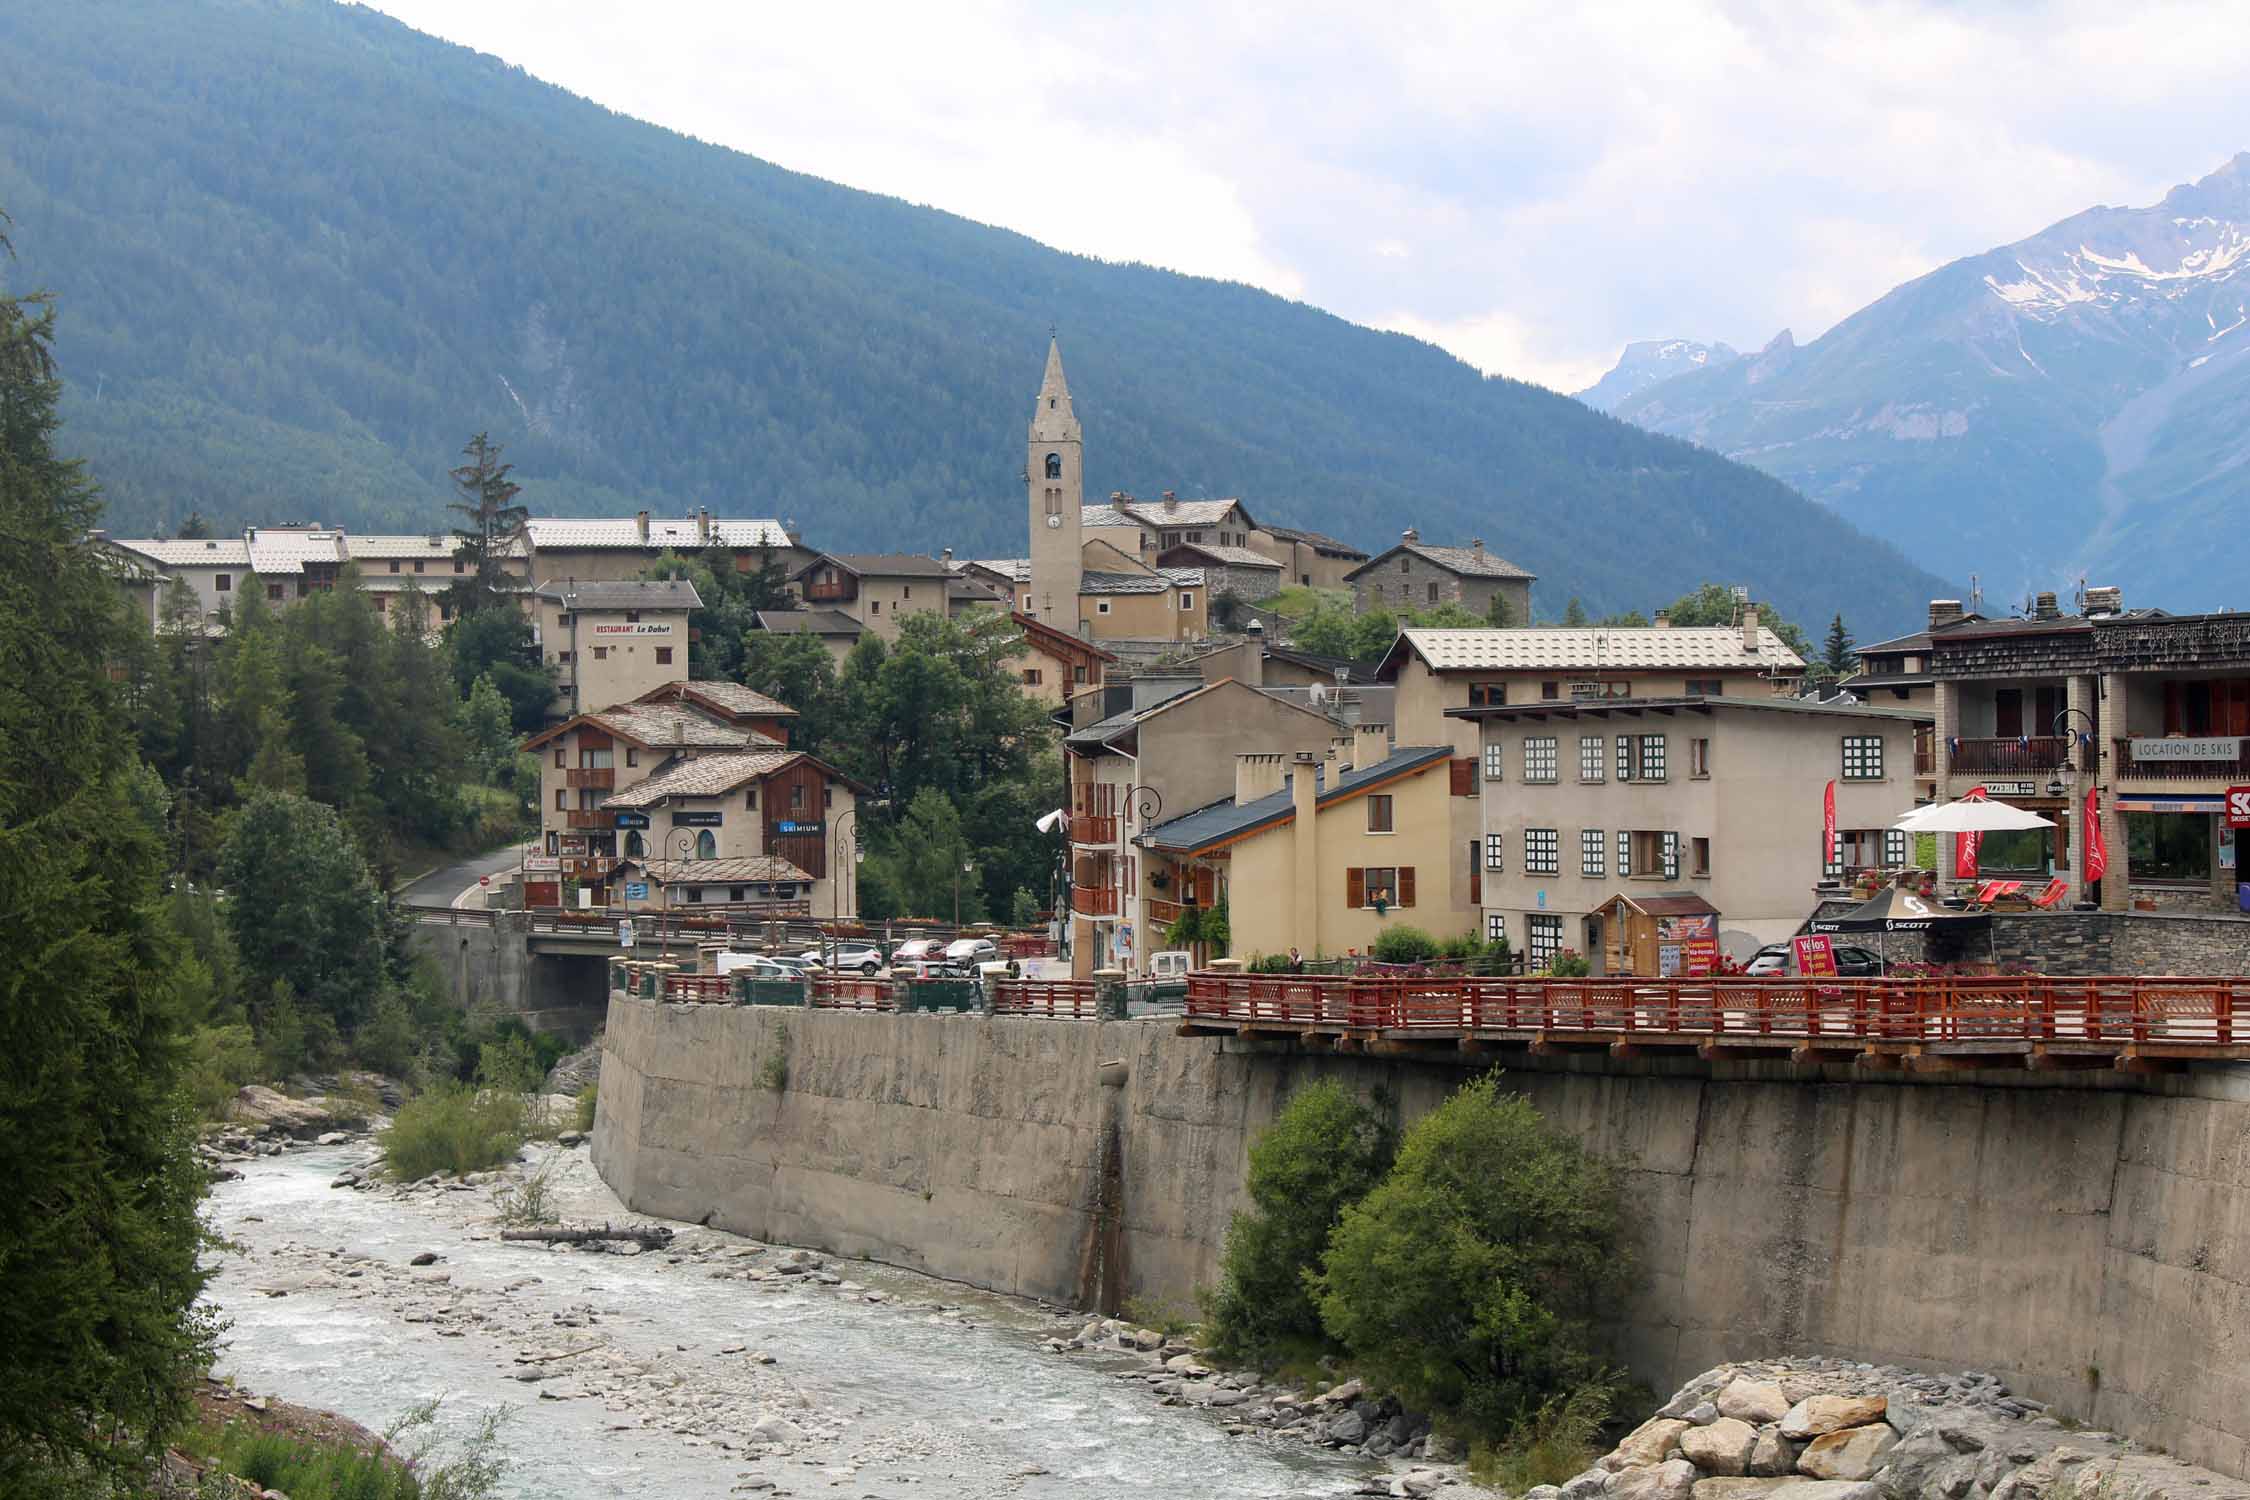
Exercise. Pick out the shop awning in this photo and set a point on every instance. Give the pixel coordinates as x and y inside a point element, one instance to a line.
<point>1895,910</point>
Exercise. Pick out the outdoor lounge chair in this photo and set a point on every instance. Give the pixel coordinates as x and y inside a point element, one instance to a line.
<point>2052,896</point>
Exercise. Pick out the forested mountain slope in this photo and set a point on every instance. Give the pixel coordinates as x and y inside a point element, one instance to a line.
<point>303,252</point>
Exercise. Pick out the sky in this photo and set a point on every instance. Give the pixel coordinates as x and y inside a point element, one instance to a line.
<point>1530,186</point>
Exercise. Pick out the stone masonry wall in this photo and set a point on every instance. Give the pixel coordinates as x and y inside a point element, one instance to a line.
<point>2084,943</point>
<point>2089,1243</point>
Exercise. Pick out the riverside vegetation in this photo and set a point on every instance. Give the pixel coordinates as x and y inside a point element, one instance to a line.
<point>1463,1269</point>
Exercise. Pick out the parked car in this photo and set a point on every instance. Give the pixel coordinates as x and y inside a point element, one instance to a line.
<point>756,965</point>
<point>1781,958</point>
<point>916,951</point>
<point>796,963</point>
<point>969,952</point>
<point>842,956</point>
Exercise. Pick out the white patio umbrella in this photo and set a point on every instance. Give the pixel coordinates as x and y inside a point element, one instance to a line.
<point>1969,817</point>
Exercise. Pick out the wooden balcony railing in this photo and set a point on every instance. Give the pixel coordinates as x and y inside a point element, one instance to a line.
<point>1094,900</point>
<point>1093,828</point>
<point>1162,914</point>
<point>589,817</point>
<point>830,593</point>
<point>603,777</point>
<point>1925,763</point>
<point>2231,771</point>
<point>2038,755</point>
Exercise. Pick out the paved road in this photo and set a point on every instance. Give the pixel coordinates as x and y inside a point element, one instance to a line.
<point>439,887</point>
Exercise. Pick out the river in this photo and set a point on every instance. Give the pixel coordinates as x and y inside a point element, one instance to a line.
<point>934,1391</point>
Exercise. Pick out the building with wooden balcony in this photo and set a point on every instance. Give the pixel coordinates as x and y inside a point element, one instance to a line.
<point>877,590</point>
<point>2147,714</point>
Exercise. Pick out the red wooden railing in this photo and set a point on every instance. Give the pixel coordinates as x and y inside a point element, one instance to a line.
<point>1065,999</point>
<point>2038,755</point>
<point>1094,900</point>
<point>1937,1009</point>
<point>834,992</point>
<point>1093,828</point>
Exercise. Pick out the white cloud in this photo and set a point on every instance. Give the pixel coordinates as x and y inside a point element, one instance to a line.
<point>1531,186</point>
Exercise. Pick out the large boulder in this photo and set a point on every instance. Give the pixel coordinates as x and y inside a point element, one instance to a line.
<point>1773,1453</point>
<point>1816,1415</point>
<point>263,1108</point>
<point>1824,1489</point>
<point>1650,1443</point>
<point>1739,1489</point>
<point>1722,1447</point>
<point>1753,1401</point>
<point>1671,1480</point>
<point>1852,1453</point>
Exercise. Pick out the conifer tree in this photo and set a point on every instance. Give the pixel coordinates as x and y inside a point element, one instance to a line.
<point>492,523</point>
<point>98,1235</point>
<point>1836,652</point>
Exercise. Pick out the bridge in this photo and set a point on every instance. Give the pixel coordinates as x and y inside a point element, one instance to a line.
<point>2129,1023</point>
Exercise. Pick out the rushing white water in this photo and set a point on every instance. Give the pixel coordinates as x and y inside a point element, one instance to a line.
<point>909,1400</point>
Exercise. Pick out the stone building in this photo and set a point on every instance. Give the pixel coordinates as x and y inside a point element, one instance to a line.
<point>1415,575</point>
<point>611,642</point>
<point>877,590</point>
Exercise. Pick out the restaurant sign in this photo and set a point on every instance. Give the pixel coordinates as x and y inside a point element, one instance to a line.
<point>2210,747</point>
<point>2011,789</point>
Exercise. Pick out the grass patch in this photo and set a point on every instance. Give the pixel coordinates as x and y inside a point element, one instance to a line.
<point>1298,600</point>
<point>773,1072</point>
<point>1167,1317</point>
<point>530,1203</point>
<point>453,1128</point>
<point>585,1118</point>
<point>1559,1441</point>
<point>410,1467</point>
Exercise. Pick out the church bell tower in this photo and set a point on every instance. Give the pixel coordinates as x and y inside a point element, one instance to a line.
<point>1054,478</point>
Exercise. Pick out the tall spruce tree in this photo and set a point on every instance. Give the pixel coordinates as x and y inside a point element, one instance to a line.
<point>98,1235</point>
<point>491,523</point>
<point>1836,652</point>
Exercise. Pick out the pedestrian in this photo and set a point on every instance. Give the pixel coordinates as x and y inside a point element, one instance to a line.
<point>1296,960</point>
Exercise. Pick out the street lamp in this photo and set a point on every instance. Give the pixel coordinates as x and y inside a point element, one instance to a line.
<point>2066,772</point>
<point>966,869</point>
<point>837,865</point>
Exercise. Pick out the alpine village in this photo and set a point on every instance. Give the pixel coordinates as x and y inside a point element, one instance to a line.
<point>619,886</point>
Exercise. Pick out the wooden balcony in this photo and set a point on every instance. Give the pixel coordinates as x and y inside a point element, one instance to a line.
<point>2232,772</point>
<point>604,777</point>
<point>1925,763</point>
<point>1093,828</point>
<point>838,592</point>
<point>589,817</point>
<point>2037,756</point>
<point>1094,900</point>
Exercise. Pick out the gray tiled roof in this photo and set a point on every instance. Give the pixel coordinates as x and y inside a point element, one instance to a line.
<point>1125,583</point>
<point>1314,539</point>
<point>881,564</point>
<point>1223,820</point>
<point>744,870</point>
<point>1595,648</point>
<point>808,622</point>
<point>705,776</point>
<point>1469,562</point>
<point>668,593</point>
<point>580,532</point>
<point>1233,557</point>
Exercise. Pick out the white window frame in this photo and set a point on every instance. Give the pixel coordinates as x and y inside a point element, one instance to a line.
<point>1593,853</point>
<point>1101,606</point>
<point>1624,854</point>
<point>1863,757</point>
<point>1187,600</point>
<point>1624,757</point>
<point>1495,760</point>
<point>1894,848</point>
<point>1543,942</point>
<point>1671,847</point>
<point>1649,766</point>
<point>1495,852</point>
<point>1593,757</point>
<point>1542,851</point>
<point>1495,927</point>
<point>1541,759</point>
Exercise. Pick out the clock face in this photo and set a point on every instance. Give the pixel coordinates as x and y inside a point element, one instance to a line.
<point>1054,520</point>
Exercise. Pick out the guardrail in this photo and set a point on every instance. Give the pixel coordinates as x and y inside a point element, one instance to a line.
<point>2125,1010</point>
<point>832,992</point>
<point>1055,999</point>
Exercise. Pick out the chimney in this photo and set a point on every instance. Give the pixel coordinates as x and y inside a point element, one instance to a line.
<point>1944,612</point>
<point>2044,607</point>
<point>1410,536</point>
<point>1118,499</point>
<point>1750,628</point>
<point>1663,620</point>
<point>1305,887</point>
<point>1476,546</point>
<point>1339,752</point>
<point>946,557</point>
<point>679,730</point>
<point>703,525</point>
<point>2105,601</point>
<point>1253,648</point>
<point>1171,501</point>
<point>641,521</point>
<point>1370,743</point>
<point>1256,776</point>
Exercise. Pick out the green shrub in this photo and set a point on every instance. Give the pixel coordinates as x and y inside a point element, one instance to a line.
<point>220,1060</point>
<point>306,1470</point>
<point>1469,1284</point>
<point>585,1117</point>
<point>1401,944</point>
<point>773,1071</point>
<point>388,1040</point>
<point>530,1202</point>
<point>1186,928</point>
<point>1165,1316</point>
<point>1270,963</point>
<point>454,1128</point>
<point>1556,1443</point>
<point>1570,964</point>
<point>1324,1150</point>
<point>1218,929</point>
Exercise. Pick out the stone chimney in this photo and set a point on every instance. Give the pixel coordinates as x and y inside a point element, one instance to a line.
<point>1171,500</point>
<point>640,522</point>
<point>1476,548</point>
<point>2044,607</point>
<point>1750,628</point>
<point>1944,612</point>
<point>1410,536</point>
<point>703,525</point>
<point>1339,752</point>
<point>1663,620</point>
<point>1255,776</point>
<point>946,556</point>
<point>1370,743</point>
<point>1252,672</point>
<point>2105,601</point>
<point>1304,888</point>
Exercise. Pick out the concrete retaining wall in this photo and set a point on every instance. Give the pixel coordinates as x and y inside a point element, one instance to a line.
<point>2090,1244</point>
<point>492,967</point>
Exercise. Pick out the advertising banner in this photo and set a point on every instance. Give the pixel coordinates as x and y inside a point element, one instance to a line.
<point>1816,955</point>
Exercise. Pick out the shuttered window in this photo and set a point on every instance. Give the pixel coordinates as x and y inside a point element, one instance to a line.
<point>1464,773</point>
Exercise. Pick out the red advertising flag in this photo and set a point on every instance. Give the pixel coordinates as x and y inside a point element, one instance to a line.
<point>1828,828</point>
<point>1965,844</point>
<point>2097,847</point>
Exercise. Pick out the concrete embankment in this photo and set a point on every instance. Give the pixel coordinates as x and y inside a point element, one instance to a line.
<point>2089,1243</point>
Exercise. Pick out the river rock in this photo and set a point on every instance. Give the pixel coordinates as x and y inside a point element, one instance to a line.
<point>1817,1415</point>
<point>1348,1392</point>
<point>1722,1447</point>
<point>269,1109</point>
<point>1650,1443</point>
<point>1851,1453</point>
<point>1589,1485</point>
<point>1738,1489</point>
<point>1673,1479</point>
<point>1773,1453</point>
<point>775,1430</point>
<point>1824,1489</point>
<point>1754,1401</point>
<point>332,1138</point>
<point>424,1258</point>
<point>1351,1427</point>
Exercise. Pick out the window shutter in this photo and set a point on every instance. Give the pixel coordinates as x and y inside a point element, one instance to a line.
<point>1624,757</point>
<point>1624,852</point>
<point>1355,887</point>
<point>1464,778</point>
<point>1406,885</point>
<point>1671,856</point>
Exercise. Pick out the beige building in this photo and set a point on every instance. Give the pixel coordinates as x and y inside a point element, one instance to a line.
<point>1059,667</point>
<point>692,825</point>
<point>876,590</point>
<point>611,642</point>
<point>617,549</point>
<point>1717,797</point>
<point>1896,674</point>
<point>1168,745</point>
<point>834,629</point>
<point>1416,575</point>
<point>283,564</point>
<point>1327,852</point>
<point>1308,559</point>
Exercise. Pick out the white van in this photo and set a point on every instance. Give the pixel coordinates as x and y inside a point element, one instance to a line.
<point>1173,963</point>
